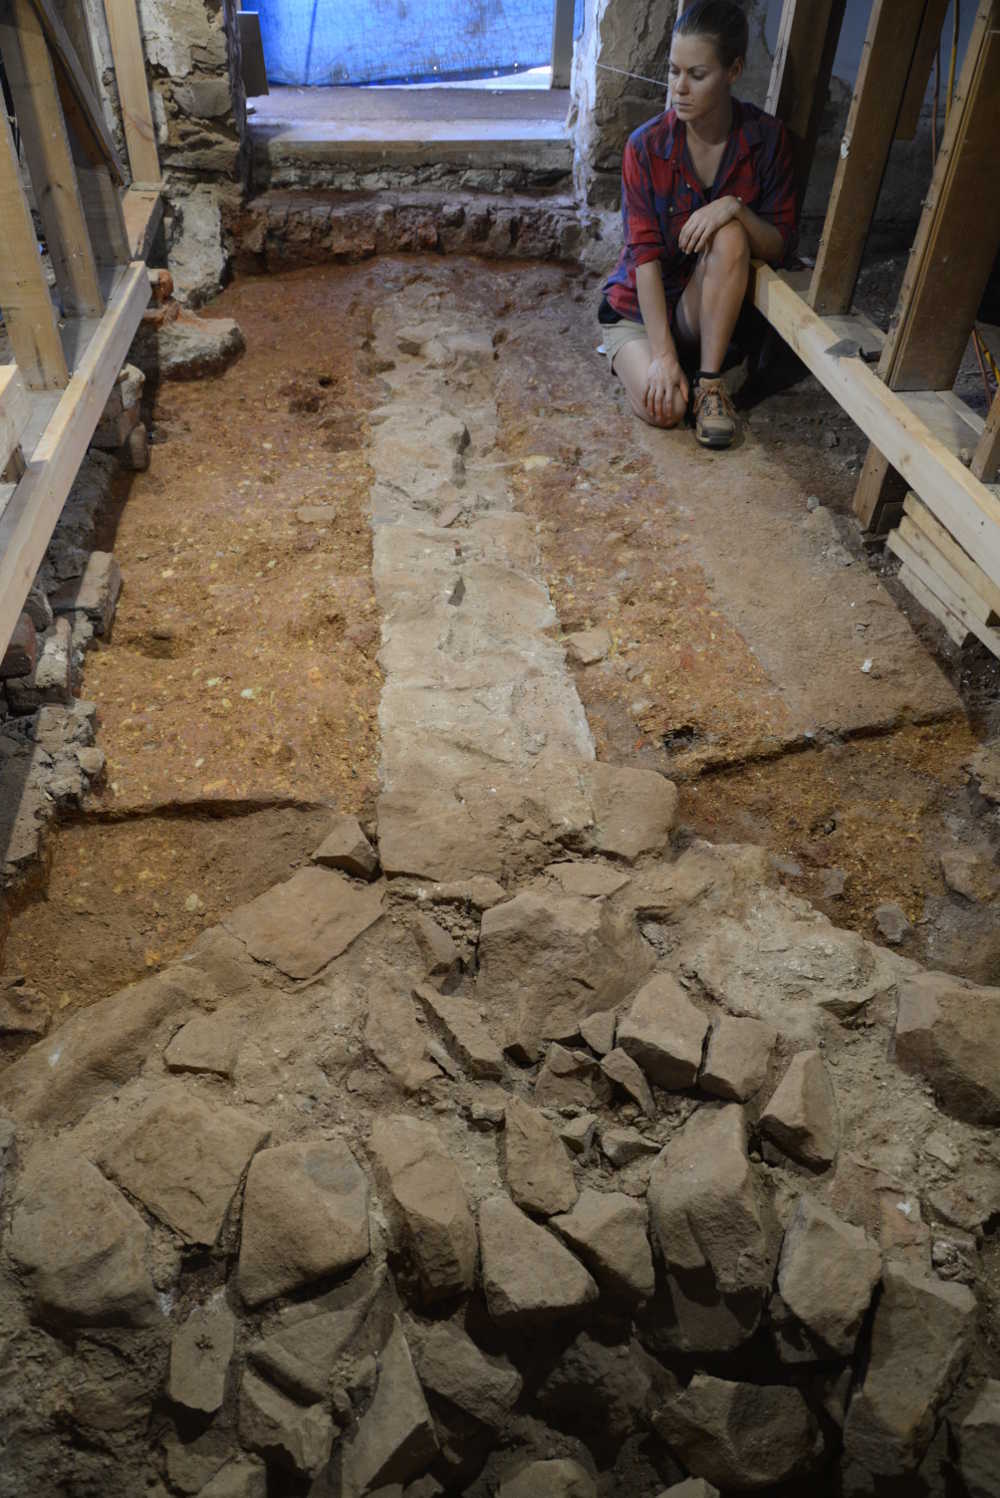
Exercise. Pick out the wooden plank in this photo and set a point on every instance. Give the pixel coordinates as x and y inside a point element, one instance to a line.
<point>908,541</point>
<point>931,581</point>
<point>986,458</point>
<point>920,72</point>
<point>80,104</point>
<point>133,89</point>
<point>24,293</point>
<point>143,211</point>
<point>44,138</point>
<point>15,411</point>
<point>944,419</point>
<point>959,232</point>
<point>952,553</point>
<point>893,30</point>
<point>967,507</point>
<point>956,630</point>
<point>808,33</point>
<point>27,524</point>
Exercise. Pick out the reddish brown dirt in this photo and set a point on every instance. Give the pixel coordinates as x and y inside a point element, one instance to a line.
<point>205,617</point>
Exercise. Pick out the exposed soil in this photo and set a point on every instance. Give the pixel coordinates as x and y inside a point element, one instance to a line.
<point>242,672</point>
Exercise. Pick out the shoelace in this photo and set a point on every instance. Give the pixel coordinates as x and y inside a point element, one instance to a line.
<point>714,401</point>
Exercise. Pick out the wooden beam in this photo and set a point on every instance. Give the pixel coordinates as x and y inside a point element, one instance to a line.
<point>80,104</point>
<point>29,519</point>
<point>967,507</point>
<point>24,292</point>
<point>143,211</point>
<point>133,90</point>
<point>32,81</point>
<point>953,554</point>
<point>954,602</point>
<point>912,545</point>
<point>959,232</point>
<point>920,72</point>
<point>102,202</point>
<point>953,626</point>
<point>986,458</point>
<point>893,31</point>
<point>15,411</point>
<point>800,75</point>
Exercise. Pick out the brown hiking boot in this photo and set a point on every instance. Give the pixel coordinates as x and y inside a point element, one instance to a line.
<point>715,419</point>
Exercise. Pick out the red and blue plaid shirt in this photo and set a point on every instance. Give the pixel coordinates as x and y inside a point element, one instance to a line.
<point>660,191</point>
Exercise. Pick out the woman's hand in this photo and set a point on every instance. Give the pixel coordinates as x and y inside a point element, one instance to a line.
<point>697,233</point>
<point>666,393</point>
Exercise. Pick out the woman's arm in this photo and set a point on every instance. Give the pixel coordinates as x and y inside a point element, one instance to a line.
<point>766,242</point>
<point>665,375</point>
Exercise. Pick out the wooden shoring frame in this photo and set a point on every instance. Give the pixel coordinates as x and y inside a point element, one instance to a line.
<point>67,359</point>
<point>800,75</point>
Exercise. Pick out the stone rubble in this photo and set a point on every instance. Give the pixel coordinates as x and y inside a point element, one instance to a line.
<point>677,1191</point>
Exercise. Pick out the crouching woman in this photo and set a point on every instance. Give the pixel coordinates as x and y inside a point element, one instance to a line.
<point>705,186</point>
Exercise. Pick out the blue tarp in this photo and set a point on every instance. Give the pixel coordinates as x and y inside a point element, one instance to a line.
<point>402,41</point>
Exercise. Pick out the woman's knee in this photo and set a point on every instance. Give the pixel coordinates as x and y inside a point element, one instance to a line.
<point>665,422</point>
<point>730,244</point>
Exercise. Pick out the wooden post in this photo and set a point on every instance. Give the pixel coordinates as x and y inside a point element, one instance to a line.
<point>800,76</point>
<point>24,293</point>
<point>102,203</point>
<point>893,32</point>
<point>133,90</point>
<point>986,459</point>
<point>80,106</point>
<point>15,411</point>
<point>953,253</point>
<point>46,144</point>
<point>923,61</point>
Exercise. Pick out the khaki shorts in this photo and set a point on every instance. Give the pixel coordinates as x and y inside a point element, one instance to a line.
<point>615,335</point>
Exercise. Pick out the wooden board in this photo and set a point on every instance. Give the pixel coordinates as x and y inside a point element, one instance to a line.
<point>956,630</point>
<point>948,548</point>
<point>959,232</point>
<point>29,519</point>
<point>893,31</point>
<point>920,72</point>
<point>967,507</point>
<point>944,417</point>
<point>808,33</point>
<point>46,146</point>
<point>143,211</point>
<point>15,410</point>
<point>908,541</point>
<point>934,584</point>
<point>80,104</point>
<point>24,292</point>
<point>133,90</point>
<point>986,458</point>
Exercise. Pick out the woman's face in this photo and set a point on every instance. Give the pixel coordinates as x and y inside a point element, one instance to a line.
<point>699,84</point>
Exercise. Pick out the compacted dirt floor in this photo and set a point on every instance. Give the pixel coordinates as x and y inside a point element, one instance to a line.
<point>238,696</point>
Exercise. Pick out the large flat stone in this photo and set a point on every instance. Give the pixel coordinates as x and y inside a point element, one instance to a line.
<point>610,1233</point>
<point>948,1031</point>
<point>303,924</point>
<point>527,1274</point>
<point>827,1273</point>
<point>305,1216</point>
<point>184,1160</point>
<point>664,1032</point>
<point>451,1366</point>
<point>425,1188</point>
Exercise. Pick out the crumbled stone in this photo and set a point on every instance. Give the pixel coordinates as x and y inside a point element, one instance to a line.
<point>738,1056</point>
<point>527,1274</point>
<point>801,1117</point>
<point>570,1079</point>
<point>891,923</point>
<point>608,1231</point>
<point>560,1477</point>
<point>979,1443</point>
<point>51,681</point>
<point>466,1036</point>
<point>242,1478</point>
<point>664,1032</point>
<point>598,1031</point>
<point>826,1274</point>
<point>539,1172</point>
<point>920,1340</point>
<point>296,1439</point>
<point>577,1134</point>
<point>397,1041</point>
<point>440,955</point>
<point>741,1435</point>
<point>600,1387</point>
<point>22,650</point>
<point>200,1354</point>
<point>395,1439</point>
<point>38,609</point>
<point>692,1487</point>
<point>703,1205</point>
<point>595,881</point>
<point>550,960</point>
<point>184,1160</point>
<point>619,1068</point>
<point>587,646</point>
<point>633,810</point>
<point>95,593</point>
<point>23,1011</point>
<point>303,924</point>
<point>207,1043</point>
<point>622,1146</point>
<point>190,347</point>
<point>305,1216</point>
<point>320,1345</point>
<point>427,1192</point>
<point>968,874</point>
<point>948,1031</point>
<point>80,1244</point>
<point>346,847</point>
<point>452,1367</point>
